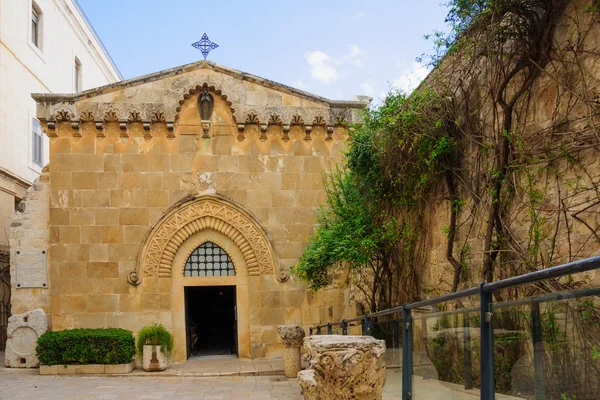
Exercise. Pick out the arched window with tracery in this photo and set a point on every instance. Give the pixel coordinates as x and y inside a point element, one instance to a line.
<point>209,260</point>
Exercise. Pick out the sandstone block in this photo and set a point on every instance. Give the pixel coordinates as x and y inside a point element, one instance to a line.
<point>343,367</point>
<point>23,332</point>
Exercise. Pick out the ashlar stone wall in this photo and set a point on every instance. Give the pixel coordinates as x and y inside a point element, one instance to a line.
<point>124,156</point>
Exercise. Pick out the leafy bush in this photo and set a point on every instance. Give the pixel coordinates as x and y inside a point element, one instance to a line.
<point>155,335</point>
<point>86,346</point>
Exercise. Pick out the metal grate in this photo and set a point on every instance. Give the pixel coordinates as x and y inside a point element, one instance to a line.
<point>209,260</point>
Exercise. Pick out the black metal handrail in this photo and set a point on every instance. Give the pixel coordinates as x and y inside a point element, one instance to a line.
<point>486,306</point>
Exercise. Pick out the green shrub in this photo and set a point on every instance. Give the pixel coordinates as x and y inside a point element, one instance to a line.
<point>155,335</point>
<point>86,346</point>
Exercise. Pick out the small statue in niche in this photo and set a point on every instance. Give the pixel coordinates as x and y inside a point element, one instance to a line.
<point>205,105</point>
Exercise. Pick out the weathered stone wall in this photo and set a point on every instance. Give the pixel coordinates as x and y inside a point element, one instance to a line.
<point>123,155</point>
<point>30,230</point>
<point>557,116</point>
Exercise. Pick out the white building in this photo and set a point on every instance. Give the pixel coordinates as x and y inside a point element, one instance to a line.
<point>45,46</point>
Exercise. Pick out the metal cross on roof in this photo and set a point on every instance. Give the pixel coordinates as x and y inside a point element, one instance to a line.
<point>205,45</point>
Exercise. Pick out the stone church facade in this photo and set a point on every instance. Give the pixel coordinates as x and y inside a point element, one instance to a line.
<point>181,197</point>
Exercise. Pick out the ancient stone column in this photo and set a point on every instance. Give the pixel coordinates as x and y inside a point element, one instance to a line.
<point>23,332</point>
<point>292,336</point>
<point>343,367</point>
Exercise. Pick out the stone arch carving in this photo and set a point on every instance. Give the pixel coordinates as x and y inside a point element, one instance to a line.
<point>209,88</point>
<point>186,218</point>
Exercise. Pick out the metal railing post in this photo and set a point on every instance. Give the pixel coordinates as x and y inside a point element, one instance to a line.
<point>424,357</point>
<point>329,330</point>
<point>539,383</point>
<point>310,331</point>
<point>407,362</point>
<point>468,368</point>
<point>367,325</point>
<point>319,330</point>
<point>396,339</point>
<point>344,327</point>
<point>488,386</point>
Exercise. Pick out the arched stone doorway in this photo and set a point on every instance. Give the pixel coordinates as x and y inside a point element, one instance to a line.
<point>190,224</point>
<point>179,282</point>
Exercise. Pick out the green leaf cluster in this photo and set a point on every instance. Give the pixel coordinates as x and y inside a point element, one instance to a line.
<point>375,199</point>
<point>86,346</point>
<point>155,335</point>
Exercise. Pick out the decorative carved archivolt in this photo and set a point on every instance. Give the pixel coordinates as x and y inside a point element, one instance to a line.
<point>208,88</point>
<point>207,212</point>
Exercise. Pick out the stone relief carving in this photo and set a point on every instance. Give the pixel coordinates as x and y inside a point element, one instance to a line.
<point>158,116</point>
<point>63,116</point>
<point>275,120</point>
<point>86,116</point>
<point>111,116</point>
<point>134,116</point>
<point>297,120</point>
<point>252,119</point>
<point>343,367</point>
<point>157,254</point>
<point>205,87</point>
<point>319,120</point>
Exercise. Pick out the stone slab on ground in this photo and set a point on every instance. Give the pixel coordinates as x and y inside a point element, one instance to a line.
<point>22,333</point>
<point>88,369</point>
<point>20,384</point>
<point>220,366</point>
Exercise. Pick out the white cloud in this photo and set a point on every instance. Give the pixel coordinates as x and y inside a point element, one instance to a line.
<point>324,68</point>
<point>411,77</point>
<point>367,89</point>
<point>321,67</point>
<point>360,15</point>
<point>356,55</point>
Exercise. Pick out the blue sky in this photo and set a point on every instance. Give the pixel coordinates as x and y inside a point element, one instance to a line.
<point>332,48</point>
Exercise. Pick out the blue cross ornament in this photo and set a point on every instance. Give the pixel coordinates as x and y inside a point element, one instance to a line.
<point>205,45</point>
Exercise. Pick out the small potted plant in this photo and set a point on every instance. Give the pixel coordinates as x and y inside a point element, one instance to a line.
<point>154,346</point>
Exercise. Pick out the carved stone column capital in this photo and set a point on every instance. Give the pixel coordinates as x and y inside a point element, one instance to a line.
<point>292,335</point>
<point>343,367</point>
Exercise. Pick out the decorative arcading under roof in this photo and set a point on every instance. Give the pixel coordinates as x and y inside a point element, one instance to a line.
<point>177,86</point>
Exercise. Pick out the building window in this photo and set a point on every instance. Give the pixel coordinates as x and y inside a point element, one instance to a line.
<point>37,142</point>
<point>36,26</point>
<point>77,75</point>
<point>209,260</point>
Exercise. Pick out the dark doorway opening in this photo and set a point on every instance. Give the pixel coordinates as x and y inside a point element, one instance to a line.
<point>210,314</point>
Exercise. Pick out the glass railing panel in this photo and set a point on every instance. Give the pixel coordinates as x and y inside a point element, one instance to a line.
<point>547,348</point>
<point>445,351</point>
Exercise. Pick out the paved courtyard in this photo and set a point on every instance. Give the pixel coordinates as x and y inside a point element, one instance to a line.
<point>199,379</point>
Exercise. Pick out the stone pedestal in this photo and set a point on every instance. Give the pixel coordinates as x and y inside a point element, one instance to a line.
<point>23,332</point>
<point>343,367</point>
<point>292,336</point>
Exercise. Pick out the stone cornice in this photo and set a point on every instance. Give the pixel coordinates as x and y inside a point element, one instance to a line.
<point>70,98</point>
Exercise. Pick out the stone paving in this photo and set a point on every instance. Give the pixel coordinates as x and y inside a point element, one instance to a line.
<point>231,379</point>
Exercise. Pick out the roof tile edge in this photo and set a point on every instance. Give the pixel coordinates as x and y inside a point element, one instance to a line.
<point>67,97</point>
